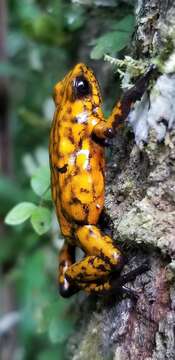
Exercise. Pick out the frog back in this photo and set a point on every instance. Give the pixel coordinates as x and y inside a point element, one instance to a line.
<point>78,166</point>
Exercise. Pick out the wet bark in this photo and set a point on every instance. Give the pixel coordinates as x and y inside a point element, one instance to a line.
<point>140,200</point>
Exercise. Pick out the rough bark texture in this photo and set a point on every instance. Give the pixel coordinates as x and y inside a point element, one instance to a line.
<point>140,200</point>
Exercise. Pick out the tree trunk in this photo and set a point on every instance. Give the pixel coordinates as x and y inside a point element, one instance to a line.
<point>140,200</point>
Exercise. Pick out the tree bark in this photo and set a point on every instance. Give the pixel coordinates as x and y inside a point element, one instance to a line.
<point>140,200</point>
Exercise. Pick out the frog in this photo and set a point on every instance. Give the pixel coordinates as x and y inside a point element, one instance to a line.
<point>77,161</point>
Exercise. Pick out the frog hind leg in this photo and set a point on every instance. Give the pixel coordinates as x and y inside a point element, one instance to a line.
<point>66,259</point>
<point>116,283</point>
<point>102,259</point>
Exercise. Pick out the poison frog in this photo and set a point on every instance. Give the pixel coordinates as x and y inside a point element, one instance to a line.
<point>77,162</point>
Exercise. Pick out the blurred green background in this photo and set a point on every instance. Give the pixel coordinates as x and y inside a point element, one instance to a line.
<point>40,40</point>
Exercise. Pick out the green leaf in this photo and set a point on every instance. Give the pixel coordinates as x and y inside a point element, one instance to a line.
<point>41,220</point>
<point>115,40</point>
<point>126,24</point>
<point>110,43</point>
<point>20,213</point>
<point>40,181</point>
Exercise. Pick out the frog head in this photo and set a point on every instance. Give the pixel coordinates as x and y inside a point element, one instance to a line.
<point>79,85</point>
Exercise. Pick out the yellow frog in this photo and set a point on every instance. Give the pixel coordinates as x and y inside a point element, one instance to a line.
<point>78,178</point>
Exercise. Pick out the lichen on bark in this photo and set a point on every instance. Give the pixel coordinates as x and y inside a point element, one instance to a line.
<point>140,200</point>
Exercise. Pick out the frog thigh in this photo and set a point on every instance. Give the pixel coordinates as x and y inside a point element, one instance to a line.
<point>102,257</point>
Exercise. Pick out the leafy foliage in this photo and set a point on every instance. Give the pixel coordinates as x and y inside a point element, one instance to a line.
<point>113,41</point>
<point>39,216</point>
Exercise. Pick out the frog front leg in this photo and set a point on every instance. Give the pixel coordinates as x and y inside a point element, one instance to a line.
<point>102,258</point>
<point>106,129</point>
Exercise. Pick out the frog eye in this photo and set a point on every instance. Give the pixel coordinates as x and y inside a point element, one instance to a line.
<point>81,87</point>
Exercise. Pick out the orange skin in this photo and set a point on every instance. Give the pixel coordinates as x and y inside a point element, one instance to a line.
<point>78,180</point>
